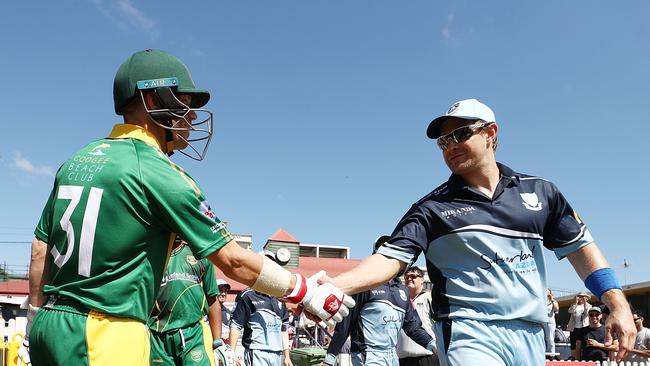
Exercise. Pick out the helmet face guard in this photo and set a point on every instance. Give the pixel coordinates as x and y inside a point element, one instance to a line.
<point>189,130</point>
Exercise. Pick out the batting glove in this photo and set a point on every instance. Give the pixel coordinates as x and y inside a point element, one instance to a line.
<point>223,353</point>
<point>23,353</point>
<point>325,301</point>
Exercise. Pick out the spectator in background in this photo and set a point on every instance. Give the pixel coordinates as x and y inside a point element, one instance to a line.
<point>552,308</point>
<point>226,314</point>
<point>594,348</point>
<point>578,322</point>
<point>605,311</point>
<point>641,351</point>
<point>409,352</point>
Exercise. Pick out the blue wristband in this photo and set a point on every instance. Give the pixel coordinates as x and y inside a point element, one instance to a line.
<point>601,281</point>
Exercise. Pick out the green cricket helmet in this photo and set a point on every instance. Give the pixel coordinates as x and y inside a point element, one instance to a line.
<point>167,76</point>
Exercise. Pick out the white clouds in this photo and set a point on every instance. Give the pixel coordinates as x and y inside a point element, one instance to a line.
<point>127,17</point>
<point>22,163</point>
<point>445,32</point>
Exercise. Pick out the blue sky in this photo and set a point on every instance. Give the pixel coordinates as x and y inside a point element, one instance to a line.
<point>321,107</point>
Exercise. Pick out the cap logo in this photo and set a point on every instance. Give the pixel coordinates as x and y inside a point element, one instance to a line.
<point>453,108</point>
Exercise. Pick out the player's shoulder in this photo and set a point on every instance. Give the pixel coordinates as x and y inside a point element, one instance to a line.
<point>439,194</point>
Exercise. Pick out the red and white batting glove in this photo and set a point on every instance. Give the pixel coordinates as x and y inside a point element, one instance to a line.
<point>325,301</point>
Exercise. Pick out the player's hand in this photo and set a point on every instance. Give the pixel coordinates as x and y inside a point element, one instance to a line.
<point>619,323</point>
<point>223,354</point>
<point>23,352</point>
<point>325,301</point>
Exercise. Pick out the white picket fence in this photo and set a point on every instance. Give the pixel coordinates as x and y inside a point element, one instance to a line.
<point>604,363</point>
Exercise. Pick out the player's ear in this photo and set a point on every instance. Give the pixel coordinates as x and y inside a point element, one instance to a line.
<point>150,100</point>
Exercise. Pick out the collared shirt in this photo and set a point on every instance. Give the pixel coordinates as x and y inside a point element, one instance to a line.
<point>484,255</point>
<point>376,319</point>
<point>263,319</point>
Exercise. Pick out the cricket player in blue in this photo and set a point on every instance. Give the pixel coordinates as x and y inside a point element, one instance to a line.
<point>374,325</point>
<point>264,320</point>
<point>482,233</point>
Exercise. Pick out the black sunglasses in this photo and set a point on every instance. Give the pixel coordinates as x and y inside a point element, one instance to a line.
<point>461,134</point>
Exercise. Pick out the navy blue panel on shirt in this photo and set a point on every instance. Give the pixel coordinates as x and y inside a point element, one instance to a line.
<point>262,318</point>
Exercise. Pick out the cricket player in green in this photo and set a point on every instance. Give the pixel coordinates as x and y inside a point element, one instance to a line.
<point>116,207</point>
<point>188,293</point>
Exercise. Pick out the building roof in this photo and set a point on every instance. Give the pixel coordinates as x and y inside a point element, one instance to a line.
<point>308,266</point>
<point>14,287</point>
<point>283,236</point>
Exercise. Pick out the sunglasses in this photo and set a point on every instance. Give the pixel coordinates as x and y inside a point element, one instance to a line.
<point>411,277</point>
<point>594,315</point>
<point>461,134</point>
<point>635,319</point>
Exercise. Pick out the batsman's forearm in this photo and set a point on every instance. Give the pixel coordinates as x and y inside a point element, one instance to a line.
<point>38,273</point>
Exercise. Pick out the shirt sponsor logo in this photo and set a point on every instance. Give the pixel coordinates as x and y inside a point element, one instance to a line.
<point>377,292</point>
<point>461,211</point>
<point>520,261</point>
<point>97,150</point>
<point>531,201</point>
<point>179,276</point>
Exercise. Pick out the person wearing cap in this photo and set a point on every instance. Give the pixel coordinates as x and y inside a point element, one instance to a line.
<point>374,325</point>
<point>409,352</point>
<point>578,322</point>
<point>116,206</point>
<point>483,233</point>
<point>188,293</point>
<point>262,321</point>
<point>594,347</point>
<point>226,314</point>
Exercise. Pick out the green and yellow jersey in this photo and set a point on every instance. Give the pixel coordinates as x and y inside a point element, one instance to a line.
<point>112,218</point>
<point>187,284</point>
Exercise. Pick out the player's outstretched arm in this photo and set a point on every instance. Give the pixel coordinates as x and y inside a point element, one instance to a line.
<point>592,267</point>
<point>366,275</point>
<point>264,275</point>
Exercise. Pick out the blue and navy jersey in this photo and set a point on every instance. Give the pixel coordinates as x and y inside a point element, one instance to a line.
<point>484,255</point>
<point>375,321</point>
<point>263,319</point>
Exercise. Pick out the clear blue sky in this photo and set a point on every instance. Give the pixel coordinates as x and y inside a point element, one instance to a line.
<point>321,106</point>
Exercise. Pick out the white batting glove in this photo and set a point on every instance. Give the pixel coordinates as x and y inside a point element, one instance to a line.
<point>223,353</point>
<point>325,301</point>
<point>23,352</point>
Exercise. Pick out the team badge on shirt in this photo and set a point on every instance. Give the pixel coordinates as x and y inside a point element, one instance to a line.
<point>531,201</point>
<point>196,355</point>
<point>402,294</point>
<point>190,259</point>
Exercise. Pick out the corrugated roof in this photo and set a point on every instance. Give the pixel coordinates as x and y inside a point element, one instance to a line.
<point>283,236</point>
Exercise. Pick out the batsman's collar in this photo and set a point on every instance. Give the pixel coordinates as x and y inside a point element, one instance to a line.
<point>128,131</point>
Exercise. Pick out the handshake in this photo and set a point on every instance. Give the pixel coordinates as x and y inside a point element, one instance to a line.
<point>320,299</point>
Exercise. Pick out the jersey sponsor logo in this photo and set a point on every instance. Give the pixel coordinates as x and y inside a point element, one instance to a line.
<point>97,150</point>
<point>377,292</point>
<point>402,295</point>
<point>196,355</point>
<point>531,201</point>
<point>391,319</point>
<point>461,211</point>
<point>191,260</point>
<point>522,261</point>
<point>179,276</point>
